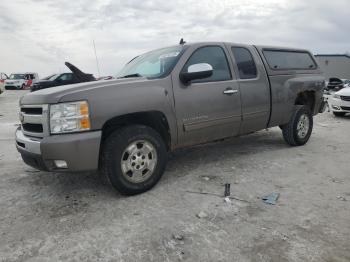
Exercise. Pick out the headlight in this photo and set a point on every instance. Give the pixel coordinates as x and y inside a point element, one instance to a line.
<point>336,96</point>
<point>69,117</point>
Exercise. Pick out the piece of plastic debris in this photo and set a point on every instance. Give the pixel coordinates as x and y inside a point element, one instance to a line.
<point>341,198</point>
<point>227,190</point>
<point>227,200</point>
<point>202,214</point>
<point>206,178</point>
<point>335,180</point>
<point>178,237</point>
<point>271,199</point>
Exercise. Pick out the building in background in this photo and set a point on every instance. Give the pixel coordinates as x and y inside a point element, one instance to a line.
<point>335,65</point>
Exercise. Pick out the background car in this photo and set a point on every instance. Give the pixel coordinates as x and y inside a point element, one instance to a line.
<point>339,102</point>
<point>336,84</point>
<point>21,80</point>
<point>75,77</point>
<point>3,77</point>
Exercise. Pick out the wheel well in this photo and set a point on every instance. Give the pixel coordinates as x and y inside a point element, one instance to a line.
<point>306,98</point>
<point>153,119</point>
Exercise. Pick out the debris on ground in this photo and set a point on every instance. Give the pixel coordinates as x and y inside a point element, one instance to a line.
<point>202,214</point>
<point>341,198</point>
<point>271,199</point>
<point>32,170</point>
<point>227,190</point>
<point>217,195</point>
<point>227,200</point>
<point>178,237</point>
<point>203,193</point>
<point>205,178</point>
<point>335,180</point>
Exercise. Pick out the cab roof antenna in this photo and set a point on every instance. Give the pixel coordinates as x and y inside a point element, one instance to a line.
<point>182,42</point>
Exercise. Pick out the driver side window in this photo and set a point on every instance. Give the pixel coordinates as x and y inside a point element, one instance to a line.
<point>215,56</point>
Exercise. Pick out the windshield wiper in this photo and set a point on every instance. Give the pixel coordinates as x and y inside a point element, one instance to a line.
<point>131,75</point>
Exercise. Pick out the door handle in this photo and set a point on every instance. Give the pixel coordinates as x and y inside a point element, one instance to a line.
<point>230,91</point>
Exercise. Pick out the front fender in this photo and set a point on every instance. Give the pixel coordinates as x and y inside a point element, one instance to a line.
<point>111,101</point>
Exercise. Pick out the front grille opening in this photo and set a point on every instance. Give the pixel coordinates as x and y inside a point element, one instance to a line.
<point>21,144</point>
<point>345,98</point>
<point>347,108</point>
<point>35,128</point>
<point>32,110</point>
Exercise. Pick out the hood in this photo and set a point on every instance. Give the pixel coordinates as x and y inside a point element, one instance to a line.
<point>55,94</point>
<point>344,92</point>
<point>83,77</point>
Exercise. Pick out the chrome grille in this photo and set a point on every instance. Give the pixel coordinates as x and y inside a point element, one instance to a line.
<point>345,98</point>
<point>34,120</point>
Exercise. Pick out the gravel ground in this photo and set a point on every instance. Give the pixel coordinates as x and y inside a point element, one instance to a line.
<point>75,217</point>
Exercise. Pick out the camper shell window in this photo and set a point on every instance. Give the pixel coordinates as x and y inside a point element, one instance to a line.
<point>289,60</point>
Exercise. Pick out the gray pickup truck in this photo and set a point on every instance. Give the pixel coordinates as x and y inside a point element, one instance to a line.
<point>166,99</point>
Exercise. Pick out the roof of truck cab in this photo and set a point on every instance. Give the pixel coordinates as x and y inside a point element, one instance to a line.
<point>333,55</point>
<point>262,47</point>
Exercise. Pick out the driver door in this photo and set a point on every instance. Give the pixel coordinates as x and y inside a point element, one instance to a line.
<point>207,109</point>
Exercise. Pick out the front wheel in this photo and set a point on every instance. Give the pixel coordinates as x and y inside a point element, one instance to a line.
<point>134,159</point>
<point>298,131</point>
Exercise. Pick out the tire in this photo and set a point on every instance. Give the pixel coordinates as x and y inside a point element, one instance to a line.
<point>339,113</point>
<point>119,150</point>
<point>298,131</point>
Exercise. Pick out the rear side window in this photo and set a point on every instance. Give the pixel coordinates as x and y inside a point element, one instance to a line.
<point>245,63</point>
<point>289,60</point>
<point>215,56</point>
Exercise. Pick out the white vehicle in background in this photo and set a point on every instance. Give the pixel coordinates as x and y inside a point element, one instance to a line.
<point>3,77</point>
<point>21,80</point>
<point>339,102</point>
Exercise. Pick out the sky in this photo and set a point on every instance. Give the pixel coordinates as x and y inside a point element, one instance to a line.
<point>40,35</point>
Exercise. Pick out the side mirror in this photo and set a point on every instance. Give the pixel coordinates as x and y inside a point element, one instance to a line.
<point>196,71</point>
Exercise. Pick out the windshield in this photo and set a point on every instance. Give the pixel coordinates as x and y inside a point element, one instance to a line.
<point>154,64</point>
<point>17,76</point>
<point>48,77</point>
<point>53,77</point>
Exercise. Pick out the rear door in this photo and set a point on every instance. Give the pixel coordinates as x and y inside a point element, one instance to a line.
<point>210,108</point>
<point>254,87</point>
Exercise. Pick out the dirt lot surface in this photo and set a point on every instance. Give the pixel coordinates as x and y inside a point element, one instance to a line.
<point>75,217</point>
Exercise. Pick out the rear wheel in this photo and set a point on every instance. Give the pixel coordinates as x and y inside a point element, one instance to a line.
<point>298,131</point>
<point>339,113</point>
<point>134,159</point>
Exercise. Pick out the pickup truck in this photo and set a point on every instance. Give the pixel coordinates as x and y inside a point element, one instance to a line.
<point>166,99</point>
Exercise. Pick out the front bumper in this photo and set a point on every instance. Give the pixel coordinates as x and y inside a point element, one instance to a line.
<point>80,151</point>
<point>338,105</point>
<point>12,86</point>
